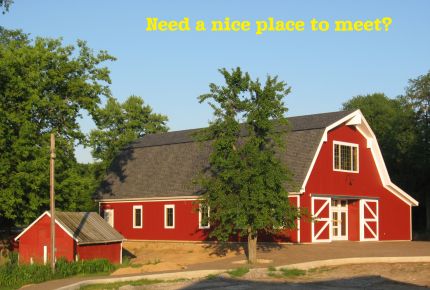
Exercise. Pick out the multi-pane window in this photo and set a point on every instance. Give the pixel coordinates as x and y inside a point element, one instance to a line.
<point>137,216</point>
<point>345,157</point>
<point>203,216</point>
<point>169,216</point>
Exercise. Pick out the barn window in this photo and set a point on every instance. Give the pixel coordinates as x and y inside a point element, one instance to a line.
<point>345,156</point>
<point>169,216</point>
<point>137,216</point>
<point>203,216</point>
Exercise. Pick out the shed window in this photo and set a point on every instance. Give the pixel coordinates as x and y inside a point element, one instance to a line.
<point>137,216</point>
<point>169,216</point>
<point>345,157</point>
<point>203,216</point>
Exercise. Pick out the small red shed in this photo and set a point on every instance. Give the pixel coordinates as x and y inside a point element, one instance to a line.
<point>78,236</point>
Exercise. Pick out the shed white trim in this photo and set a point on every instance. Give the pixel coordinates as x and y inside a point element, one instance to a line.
<point>36,220</point>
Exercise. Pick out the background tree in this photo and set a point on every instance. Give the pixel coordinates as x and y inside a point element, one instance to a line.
<point>44,88</point>
<point>5,4</point>
<point>417,95</point>
<point>245,185</point>
<point>119,124</point>
<point>399,124</point>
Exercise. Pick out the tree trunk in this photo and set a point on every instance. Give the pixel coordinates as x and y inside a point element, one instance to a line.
<point>252,247</point>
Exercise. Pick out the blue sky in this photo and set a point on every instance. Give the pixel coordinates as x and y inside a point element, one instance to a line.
<point>171,69</point>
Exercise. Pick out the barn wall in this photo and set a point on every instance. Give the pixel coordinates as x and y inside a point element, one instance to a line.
<point>186,222</point>
<point>393,213</point>
<point>32,242</point>
<point>111,252</point>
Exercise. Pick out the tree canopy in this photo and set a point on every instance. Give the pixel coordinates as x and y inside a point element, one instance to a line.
<point>121,123</point>
<point>402,128</point>
<point>245,183</point>
<point>44,87</point>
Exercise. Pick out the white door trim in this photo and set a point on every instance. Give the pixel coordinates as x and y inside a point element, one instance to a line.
<point>326,220</point>
<point>364,221</point>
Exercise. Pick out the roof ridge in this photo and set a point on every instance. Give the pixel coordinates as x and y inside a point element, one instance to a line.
<point>298,123</point>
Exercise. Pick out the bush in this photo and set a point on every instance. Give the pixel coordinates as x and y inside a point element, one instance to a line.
<point>13,276</point>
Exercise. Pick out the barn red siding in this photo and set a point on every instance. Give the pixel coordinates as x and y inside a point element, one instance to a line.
<point>394,214</point>
<point>111,251</point>
<point>31,242</point>
<point>186,222</point>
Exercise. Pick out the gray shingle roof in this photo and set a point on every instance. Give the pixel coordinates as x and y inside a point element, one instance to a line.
<point>88,227</point>
<point>163,165</point>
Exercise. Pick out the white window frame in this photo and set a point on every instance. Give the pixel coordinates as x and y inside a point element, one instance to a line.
<point>134,216</point>
<point>167,206</point>
<point>113,216</point>
<point>352,156</point>
<point>200,218</point>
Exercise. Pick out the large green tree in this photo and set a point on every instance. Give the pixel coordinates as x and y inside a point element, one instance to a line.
<point>44,87</point>
<point>118,124</point>
<point>245,183</point>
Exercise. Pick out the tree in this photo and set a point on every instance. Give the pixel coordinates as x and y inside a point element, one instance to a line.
<point>417,95</point>
<point>5,4</point>
<point>392,121</point>
<point>245,183</point>
<point>399,126</point>
<point>119,124</point>
<point>44,87</point>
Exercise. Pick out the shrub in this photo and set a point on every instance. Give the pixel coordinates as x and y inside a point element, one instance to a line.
<point>14,276</point>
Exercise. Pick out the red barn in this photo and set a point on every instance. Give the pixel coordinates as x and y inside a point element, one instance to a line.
<point>78,236</point>
<point>339,176</point>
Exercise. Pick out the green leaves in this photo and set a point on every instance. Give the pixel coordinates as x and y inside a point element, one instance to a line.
<point>244,185</point>
<point>44,88</point>
<point>119,124</point>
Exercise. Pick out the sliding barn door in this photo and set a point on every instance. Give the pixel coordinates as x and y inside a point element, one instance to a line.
<point>321,226</point>
<point>369,221</point>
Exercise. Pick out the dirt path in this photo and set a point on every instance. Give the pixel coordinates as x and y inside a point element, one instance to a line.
<point>374,276</point>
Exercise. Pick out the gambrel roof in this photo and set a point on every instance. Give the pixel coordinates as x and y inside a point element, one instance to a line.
<point>164,165</point>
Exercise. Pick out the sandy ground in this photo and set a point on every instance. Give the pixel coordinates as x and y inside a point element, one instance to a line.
<point>400,276</point>
<point>156,257</point>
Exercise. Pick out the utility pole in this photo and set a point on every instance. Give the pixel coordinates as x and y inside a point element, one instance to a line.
<point>52,200</point>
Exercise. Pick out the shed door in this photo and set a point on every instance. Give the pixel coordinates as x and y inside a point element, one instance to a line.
<point>369,221</point>
<point>321,212</point>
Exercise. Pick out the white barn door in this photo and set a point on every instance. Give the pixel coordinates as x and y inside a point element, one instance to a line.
<point>369,220</point>
<point>321,226</point>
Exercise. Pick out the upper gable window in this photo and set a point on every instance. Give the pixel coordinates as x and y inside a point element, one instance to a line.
<point>345,156</point>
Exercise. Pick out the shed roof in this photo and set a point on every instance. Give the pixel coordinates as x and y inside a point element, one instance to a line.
<point>88,227</point>
<point>165,164</point>
<point>83,227</point>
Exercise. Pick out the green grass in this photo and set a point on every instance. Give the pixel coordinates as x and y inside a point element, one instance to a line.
<point>238,272</point>
<point>285,272</point>
<point>291,272</point>
<point>117,285</point>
